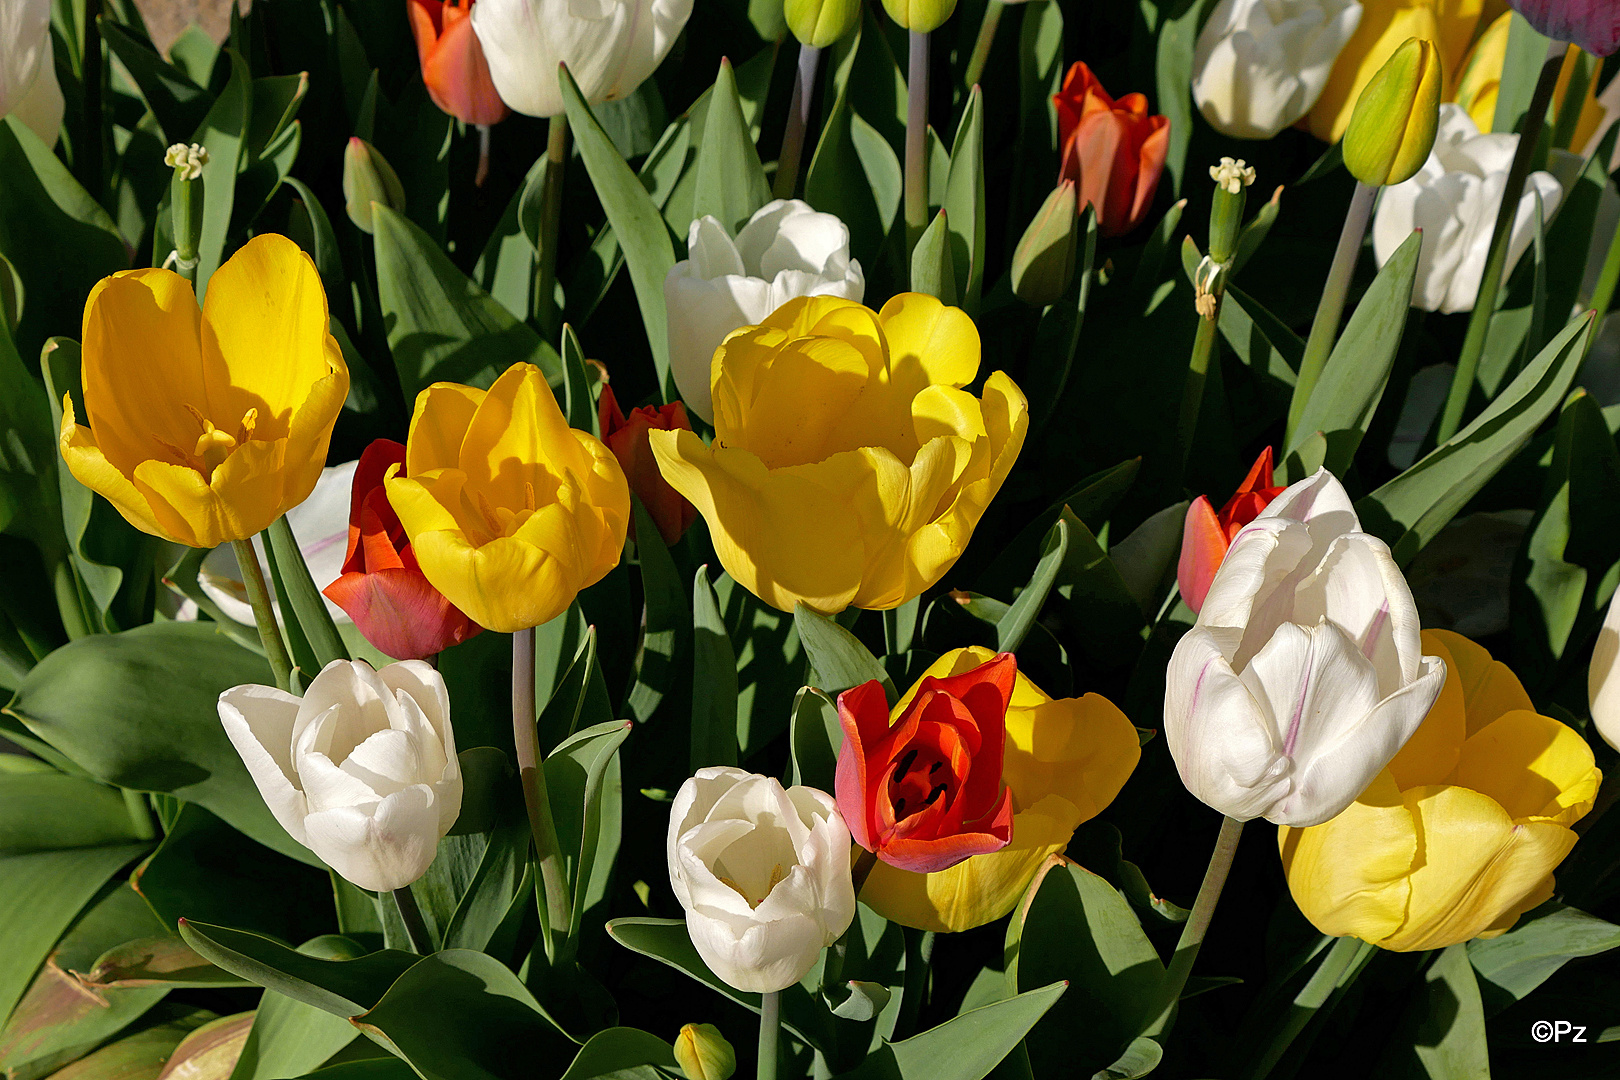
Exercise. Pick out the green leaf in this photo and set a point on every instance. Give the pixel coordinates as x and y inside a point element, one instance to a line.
<point>340,987</point>
<point>838,661</point>
<point>177,103</point>
<point>932,268</point>
<point>1099,610</point>
<point>321,245</point>
<point>44,810</point>
<point>815,736</point>
<point>714,681</point>
<point>581,407</point>
<point>1022,613</point>
<point>222,133</point>
<point>572,700</point>
<point>731,182</point>
<point>667,615</point>
<point>305,601</point>
<point>1521,67</point>
<point>964,202</point>
<point>441,326</point>
<point>1449,1034</point>
<point>1174,69</point>
<point>854,172</point>
<point>607,1053</point>
<point>1511,966</point>
<point>155,961</point>
<point>290,1037</point>
<point>966,1047</point>
<point>582,784</point>
<point>142,1054</point>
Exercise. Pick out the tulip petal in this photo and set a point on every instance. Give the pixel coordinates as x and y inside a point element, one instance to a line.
<point>457,75</point>
<point>515,433</point>
<point>1358,587</point>
<point>1533,766</point>
<point>259,722</point>
<point>756,957</point>
<point>1083,749</point>
<point>929,343</point>
<point>92,469</point>
<point>384,849</point>
<point>1351,875</point>
<point>1203,546</point>
<point>444,412</point>
<point>1490,689</point>
<point>479,580</point>
<point>1431,753</point>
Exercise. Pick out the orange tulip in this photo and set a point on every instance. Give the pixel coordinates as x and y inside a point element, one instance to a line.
<point>627,438</point>
<point>453,64</point>
<point>1207,535</point>
<point>1112,150</point>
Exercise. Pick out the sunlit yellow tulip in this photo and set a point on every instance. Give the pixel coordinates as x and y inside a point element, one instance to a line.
<point>1460,835</point>
<point>848,465</point>
<point>1385,25</point>
<point>509,511</point>
<point>1479,82</point>
<point>1065,761</point>
<point>204,427</point>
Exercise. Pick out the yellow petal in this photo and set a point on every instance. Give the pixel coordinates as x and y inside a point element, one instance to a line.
<point>957,662</point>
<point>799,400</point>
<point>1006,419</point>
<point>894,503</point>
<point>518,443</point>
<point>929,343</point>
<point>1083,749</point>
<point>1431,753</point>
<point>1489,687</point>
<point>831,315</point>
<point>444,411</point>
<point>1350,875</point>
<point>91,468</point>
<point>188,508</point>
<point>1533,766</point>
<point>506,585</point>
<point>424,501</point>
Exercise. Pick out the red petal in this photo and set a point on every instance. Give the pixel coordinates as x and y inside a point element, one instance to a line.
<point>942,853</point>
<point>1203,548</point>
<point>400,613</point>
<point>457,75</point>
<point>863,712</point>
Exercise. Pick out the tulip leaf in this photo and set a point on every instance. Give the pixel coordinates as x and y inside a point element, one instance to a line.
<point>731,183</point>
<point>304,600</point>
<point>714,681</point>
<point>341,987</point>
<point>1100,613</point>
<point>1509,967</point>
<point>582,782</point>
<point>155,961</point>
<point>143,1052</point>
<point>1258,228</point>
<point>441,326</point>
<point>507,264</point>
<point>320,243</point>
<point>580,695</point>
<point>1410,510</point>
<point>43,809</point>
<point>616,1051</point>
<point>177,103</point>
<point>932,271</point>
<point>838,661</point>
<point>966,1047</point>
<point>667,615</point>
<point>1021,615</point>
<point>291,1037</point>
<point>1267,347</point>
<point>1178,37</point>
<point>1523,59</point>
<point>1091,500</point>
<point>964,202</point>
<point>1146,558</point>
<point>1445,1024</point>
<point>1058,335</point>
<point>581,406</point>
<point>815,736</point>
<point>635,218</point>
<point>222,133</point>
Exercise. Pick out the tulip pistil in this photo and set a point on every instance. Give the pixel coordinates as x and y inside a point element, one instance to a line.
<point>912,785</point>
<point>778,874</point>
<point>213,445</point>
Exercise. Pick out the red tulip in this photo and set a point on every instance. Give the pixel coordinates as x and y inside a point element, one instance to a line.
<point>453,64</point>
<point>1113,150</point>
<point>1206,534</point>
<point>627,438</point>
<point>1594,25</point>
<point>381,586</point>
<point>925,792</point>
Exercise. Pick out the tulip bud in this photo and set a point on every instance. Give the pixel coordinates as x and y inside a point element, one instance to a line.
<point>819,23</point>
<point>1393,126</point>
<point>920,16</point>
<point>186,200</point>
<point>703,1053</point>
<point>1043,263</point>
<point>367,179</point>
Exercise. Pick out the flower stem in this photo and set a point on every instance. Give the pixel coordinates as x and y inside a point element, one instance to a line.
<point>559,904</point>
<point>770,1026</point>
<point>545,281</point>
<point>1337,968</point>
<point>916,142</point>
<point>919,946</point>
<point>411,916</point>
<point>986,38</point>
<point>1192,390</point>
<point>1197,925</point>
<point>1479,322</point>
<point>483,156</point>
<point>1330,309</point>
<point>798,122</point>
<point>275,650</point>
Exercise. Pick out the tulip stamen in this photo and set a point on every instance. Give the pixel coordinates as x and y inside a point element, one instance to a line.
<point>904,766</point>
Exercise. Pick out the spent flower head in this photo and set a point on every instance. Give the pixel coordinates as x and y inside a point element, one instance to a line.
<point>186,159</point>
<point>1232,174</point>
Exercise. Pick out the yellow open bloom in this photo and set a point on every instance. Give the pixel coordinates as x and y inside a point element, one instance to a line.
<point>1479,84</point>
<point>205,427</point>
<point>1459,836</point>
<point>1065,760</point>
<point>1385,25</point>
<point>848,465</point>
<point>510,512</point>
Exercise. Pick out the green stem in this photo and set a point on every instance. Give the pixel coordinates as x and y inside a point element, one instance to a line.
<point>919,945</point>
<point>411,916</point>
<point>981,46</point>
<point>545,281</point>
<point>559,902</point>
<point>1330,309</point>
<point>1479,322</point>
<point>140,814</point>
<point>798,122</point>
<point>1192,391</point>
<point>770,1027</point>
<point>275,650</point>
<point>916,142</point>
<point>1334,970</point>
<point>1197,924</point>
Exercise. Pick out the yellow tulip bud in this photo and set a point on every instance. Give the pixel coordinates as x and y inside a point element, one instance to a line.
<point>819,23</point>
<point>704,1054</point>
<point>1392,129</point>
<point>1043,263</point>
<point>367,179</point>
<point>920,16</point>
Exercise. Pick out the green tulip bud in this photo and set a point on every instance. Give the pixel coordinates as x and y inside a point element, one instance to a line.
<point>704,1054</point>
<point>1392,128</point>
<point>920,16</point>
<point>1043,262</point>
<point>367,179</point>
<point>819,23</point>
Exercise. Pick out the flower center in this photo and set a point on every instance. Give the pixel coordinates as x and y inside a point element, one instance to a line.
<point>778,873</point>
<point>918,781</point>
<point>213,445</point>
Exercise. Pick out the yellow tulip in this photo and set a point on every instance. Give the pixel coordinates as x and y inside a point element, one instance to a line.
<point>1385,26</point>
<point>1479,83</point>
<point>1460,835</point>
<point>1065,761</point>
<point>848,465</point>
<point>1393,125</point>
<point>509,511</point>
<point>204,427</point>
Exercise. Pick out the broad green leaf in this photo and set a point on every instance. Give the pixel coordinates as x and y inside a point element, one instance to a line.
<point>1449,1035</point>
<point>582,784</point>
<point>1521,67</point>
<point>854,173</point>
<point>177,103</point>
<point>341,987</point>
<point>1091,500</point>
<point>141,1054</point>
<point>714,681</point>
<point>731,183</point>
<point>223,134</point>
<point>932,267</point>
<point>579,406</point>
<point>578,699</point>
<point>815,735</point>
<point>667,615</point>
<point>1058,335</point>
<point>964,202</point>
<point>608,1052</point>
<point>1099,609</point>
<point>838,661</point>
<point>1173,69</point>
<point>1511,966</point>
<point>290,1037</point>
<point>44,810</point>
<point>507,265</point>
<point>29,499</point>
<point>155,961</point>
<point>321,245</point>
<point>966,1047</point>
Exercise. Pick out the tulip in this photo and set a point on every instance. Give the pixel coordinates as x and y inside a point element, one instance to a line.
<point>1260,65</point>
<point>381,586</point>
<point>320,523</point>
<point>1043,263</point>
<point>1480,82</point>
<point>28,87</point>
<point>205,428</point>
<point>703,1053</point>
<point>368,179</point>
<point>610,46</point>
<point>1454,199</point>
<point>926,793</point>
<point>1392,128</point>
<point>1064,761</point>
<point>453,66</point>
<point>848,466</point>
<point>1113,151</point>
<point>1594,25</point>
<point>627,438</point>
<point>1385,25</point>
<point>819,23</point>
<point>509,512</point>
<point>763,874</point>
<point>786,250</point>
<point>920,16</point>
<point>1303,675</point>
<point>1603,691</point>
<point>1206,535</point>
<point>1460,834</point>
<point>361,770</point>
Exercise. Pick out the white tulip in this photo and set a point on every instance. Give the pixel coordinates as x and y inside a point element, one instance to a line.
<point>785,251</point>
<point>361,770</point>
<point>28,87</point>
<point>1260,65</point>
<point>321,524</point>
<point>610,46</point>
<point>763,873</point>
<point>1602,687</point>
<point>1454,199</point>
<point>1304,674</point>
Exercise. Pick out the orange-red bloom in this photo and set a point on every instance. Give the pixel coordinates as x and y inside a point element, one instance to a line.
<point>382,588</point>
<point>925,793</point>
<point>1206,534</point>
<point>1113,150</point>
<point>453,64</point>
<point>627,438</point>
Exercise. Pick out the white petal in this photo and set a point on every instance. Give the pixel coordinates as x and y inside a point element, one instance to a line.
<point>42,108</point>
<point>384,848</point>
<point>423,683</point>
<point>259,721</point>
<point>712,251</point>
<point>1603,689</point>
<point>758,957</point>
<point>1359,588</point>
<point>342,705</point>
<point>386,762</point>
<point>327,786</point>
<point>696,796</point>
<point>1311,683</point>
